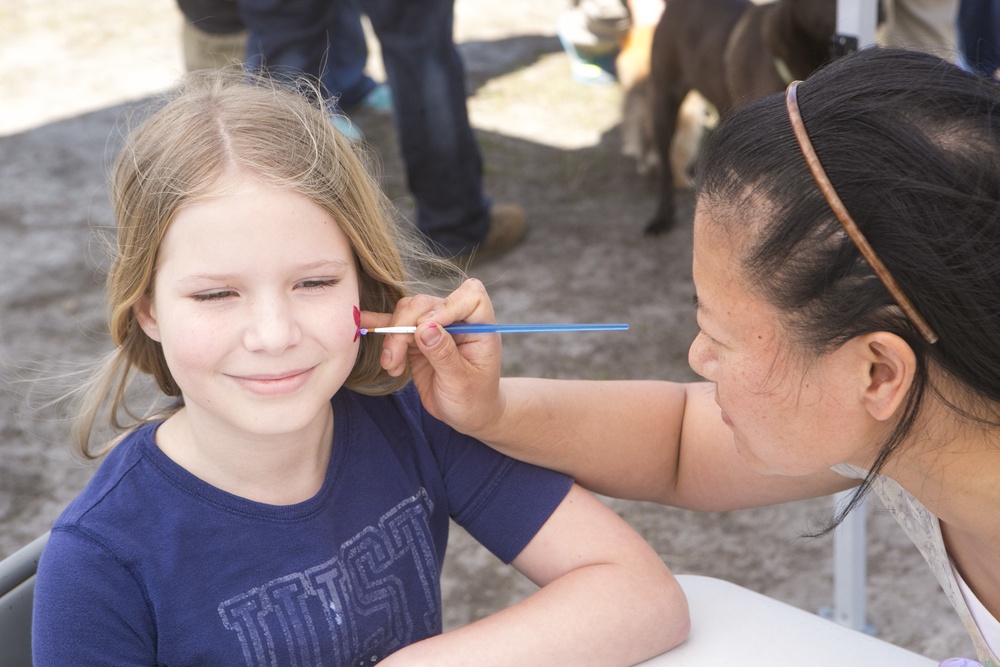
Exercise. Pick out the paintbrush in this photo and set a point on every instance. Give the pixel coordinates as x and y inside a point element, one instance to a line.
<point>503,328</point>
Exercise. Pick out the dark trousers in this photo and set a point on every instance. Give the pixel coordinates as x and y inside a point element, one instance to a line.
<point>979,34</point>
<point>324,40</point>
<point>427,78</point>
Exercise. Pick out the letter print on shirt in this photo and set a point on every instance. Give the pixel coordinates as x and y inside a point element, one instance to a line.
<point>378,594</point>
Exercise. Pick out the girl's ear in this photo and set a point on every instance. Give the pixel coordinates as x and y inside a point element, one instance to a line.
<point>891,367</point>
<point>145,313</point>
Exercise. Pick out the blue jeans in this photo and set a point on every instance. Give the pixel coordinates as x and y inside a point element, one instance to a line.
<point>979,34</point>
<point>444,169</point>
<point>323,39</point>
<point>425,72</point>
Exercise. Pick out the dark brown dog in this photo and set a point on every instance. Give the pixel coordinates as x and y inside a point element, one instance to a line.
<point>695,117</point>
<point>730,51</point>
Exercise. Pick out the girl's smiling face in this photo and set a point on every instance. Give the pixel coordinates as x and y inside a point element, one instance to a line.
<point>252,302</point>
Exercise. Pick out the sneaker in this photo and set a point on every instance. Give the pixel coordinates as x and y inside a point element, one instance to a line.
<point>379,100</point>
<point>344,125</point>
<point>507,229</point>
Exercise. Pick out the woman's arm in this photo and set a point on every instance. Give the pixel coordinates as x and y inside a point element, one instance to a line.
<point>606,598</point>
<point>642,440</point>
<point>658,441</point>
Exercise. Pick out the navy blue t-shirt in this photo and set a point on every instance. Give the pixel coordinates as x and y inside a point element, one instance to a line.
<point>152,566</point>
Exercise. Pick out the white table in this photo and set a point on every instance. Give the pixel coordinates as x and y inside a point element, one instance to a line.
<point>731,625</point>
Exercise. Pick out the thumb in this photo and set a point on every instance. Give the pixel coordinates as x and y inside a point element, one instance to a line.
<point>459,383</point>
<point>431,341</point>
<point>450,365</point>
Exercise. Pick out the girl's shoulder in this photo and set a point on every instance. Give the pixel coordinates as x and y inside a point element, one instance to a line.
<point>113,475</point>
<point>400,411</point>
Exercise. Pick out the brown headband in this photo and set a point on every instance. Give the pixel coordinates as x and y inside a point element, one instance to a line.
<point>865,248</point>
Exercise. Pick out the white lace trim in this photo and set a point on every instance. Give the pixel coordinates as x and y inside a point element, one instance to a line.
<point>987,624</point>
<point>924,530</point>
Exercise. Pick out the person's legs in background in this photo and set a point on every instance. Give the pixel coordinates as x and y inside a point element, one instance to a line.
<point>347,56</point>
<point>979,35</point>
<point>444,167</point>
<point>320,38</point>
<point>287,37</point>
<point>922,25</point>
<point>212,35</point>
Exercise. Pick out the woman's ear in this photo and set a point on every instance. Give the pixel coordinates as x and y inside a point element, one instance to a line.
<point>145,313</point>
<point>891,367</point>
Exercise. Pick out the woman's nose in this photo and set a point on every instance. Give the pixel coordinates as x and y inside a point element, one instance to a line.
<point>701,358</point>
<point>273,327</point>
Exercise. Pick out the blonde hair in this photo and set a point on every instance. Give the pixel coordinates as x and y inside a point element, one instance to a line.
<point>213,125</point>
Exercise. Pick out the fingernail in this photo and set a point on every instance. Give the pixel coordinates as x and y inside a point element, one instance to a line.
<point>431,335</point>
<point>386,358</point>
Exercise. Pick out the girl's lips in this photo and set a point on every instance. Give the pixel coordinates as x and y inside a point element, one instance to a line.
<point>274,384</point>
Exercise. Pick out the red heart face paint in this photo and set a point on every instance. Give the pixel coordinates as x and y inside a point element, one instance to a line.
<point>357,323</point>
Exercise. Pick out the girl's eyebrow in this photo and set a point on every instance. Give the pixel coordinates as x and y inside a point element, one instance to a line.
<point>331,264</point>
<point>323,263</point>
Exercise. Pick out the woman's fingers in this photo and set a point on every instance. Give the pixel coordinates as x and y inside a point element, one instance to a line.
<point>468,303</point>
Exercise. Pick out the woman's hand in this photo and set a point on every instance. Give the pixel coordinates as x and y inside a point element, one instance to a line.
<point>458,379</point>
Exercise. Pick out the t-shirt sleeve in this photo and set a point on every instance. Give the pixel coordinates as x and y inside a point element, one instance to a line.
<point>501,502</point>
<point>506,512</point>
<point>88,609</point>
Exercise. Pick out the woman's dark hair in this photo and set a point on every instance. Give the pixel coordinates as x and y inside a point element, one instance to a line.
<point>912,145</point>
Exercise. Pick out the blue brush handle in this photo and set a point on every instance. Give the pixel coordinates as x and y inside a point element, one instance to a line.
<point>530,328</point>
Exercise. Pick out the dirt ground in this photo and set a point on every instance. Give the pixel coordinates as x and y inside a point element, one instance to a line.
<point>72,72</point>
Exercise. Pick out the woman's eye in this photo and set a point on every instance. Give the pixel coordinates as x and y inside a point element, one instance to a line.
<point>701,332</point>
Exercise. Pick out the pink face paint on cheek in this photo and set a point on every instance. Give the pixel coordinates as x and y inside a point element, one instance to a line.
<point>357,324</point>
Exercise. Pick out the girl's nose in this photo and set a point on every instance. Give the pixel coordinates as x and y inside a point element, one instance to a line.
<point>273,327</point>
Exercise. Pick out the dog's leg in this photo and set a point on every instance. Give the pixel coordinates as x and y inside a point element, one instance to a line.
<point>667,100</point>
<point>669,88</point>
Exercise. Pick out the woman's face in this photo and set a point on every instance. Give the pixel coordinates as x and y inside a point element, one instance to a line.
<point>253,304</point>
<point>791,412</point>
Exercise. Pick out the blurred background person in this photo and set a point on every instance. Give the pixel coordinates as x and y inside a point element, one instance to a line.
<point>426,79</point>
<point>979,35</point>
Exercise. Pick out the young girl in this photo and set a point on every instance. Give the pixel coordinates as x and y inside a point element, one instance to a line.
<point>834,359</point>
<point>256,521</point>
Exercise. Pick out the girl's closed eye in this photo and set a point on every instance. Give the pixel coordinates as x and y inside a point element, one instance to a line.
<point>317,284</point>
<point>214,295</point>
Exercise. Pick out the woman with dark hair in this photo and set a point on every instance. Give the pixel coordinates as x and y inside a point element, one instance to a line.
<point>847,269</point>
